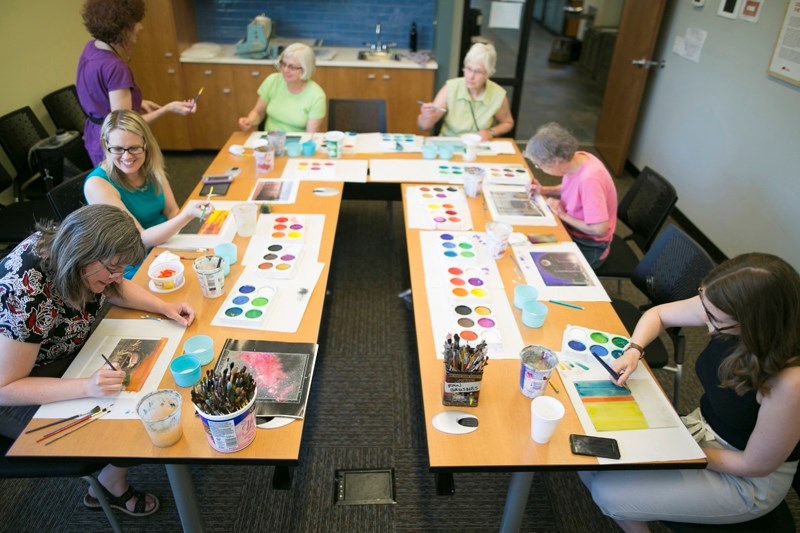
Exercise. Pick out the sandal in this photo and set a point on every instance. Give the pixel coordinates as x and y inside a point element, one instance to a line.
<point>118,502</point>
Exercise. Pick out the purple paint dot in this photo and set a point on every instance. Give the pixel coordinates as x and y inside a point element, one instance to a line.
<point>486,322</point>
<point>296,226</point>
<point>475,282</point>
<point>287,257</point>
<point>438,219</point>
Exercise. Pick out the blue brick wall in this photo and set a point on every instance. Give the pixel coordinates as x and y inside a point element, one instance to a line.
<point>337,22</point>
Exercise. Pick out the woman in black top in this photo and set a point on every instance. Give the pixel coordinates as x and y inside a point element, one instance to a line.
<point>747,422</point>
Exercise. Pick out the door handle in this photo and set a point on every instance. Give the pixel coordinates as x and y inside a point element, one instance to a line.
<point>646,63</point>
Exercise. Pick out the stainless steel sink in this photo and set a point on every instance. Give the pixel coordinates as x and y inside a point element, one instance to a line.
<point>370,55</point>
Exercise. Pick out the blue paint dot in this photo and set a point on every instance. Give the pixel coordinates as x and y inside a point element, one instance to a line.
<point>246,289</point>
<point>598,350</point>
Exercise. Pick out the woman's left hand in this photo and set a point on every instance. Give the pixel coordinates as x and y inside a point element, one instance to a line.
<point>555,206</point>
<point>182,313</point>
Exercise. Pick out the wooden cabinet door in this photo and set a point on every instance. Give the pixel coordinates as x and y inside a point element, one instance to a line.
<point>157,41</point>
<point>163,83</point>
<point>246,81</point>
<point>215,119</point>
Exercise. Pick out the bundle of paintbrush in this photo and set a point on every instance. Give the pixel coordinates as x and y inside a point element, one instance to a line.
<point>71,424</point>
<point>224,393</point>
<point>460,357</point>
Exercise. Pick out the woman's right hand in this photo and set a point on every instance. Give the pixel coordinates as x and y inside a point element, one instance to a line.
<point>196,209</point>
<point>182,107</point>
<point>245,124</point>
<point>105,382</point>
<point>535,187</point>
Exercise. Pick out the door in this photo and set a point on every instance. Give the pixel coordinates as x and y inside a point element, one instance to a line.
<point>636,40</point>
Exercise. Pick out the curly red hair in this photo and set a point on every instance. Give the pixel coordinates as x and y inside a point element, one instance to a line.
<point>110,21</point>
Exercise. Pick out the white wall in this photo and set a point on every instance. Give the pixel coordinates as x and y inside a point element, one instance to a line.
<point>725,133</point>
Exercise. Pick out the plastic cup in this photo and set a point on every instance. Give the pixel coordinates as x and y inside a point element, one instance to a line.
<point>497,234</point>
<point>471,141</point>
<point>185,370</point>
<point>534,313</point>
<point>546,413</point>
<point>200,346</point>
<point>294,150</point>
<point>167,275</point>
<point>350,141</point>
<point>278,140</point>
<point>210,275</point>
<point>524,294</point>
<point>445,152</point>
<point>334,141</point>
<point>160,412</point>
<point>473,179</point>
<point>309,148</point>
<point>429,151</point>
<point>265,158</point>
<point>246,216</point>
<point>536,367</point>
<point>228,251</point>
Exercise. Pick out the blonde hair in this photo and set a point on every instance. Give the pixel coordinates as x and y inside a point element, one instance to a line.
<point>304,55</point>
<point>153,166</point>
<point>484,55</point>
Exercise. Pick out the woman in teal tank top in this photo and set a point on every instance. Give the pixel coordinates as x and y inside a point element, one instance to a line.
<point>132,177</point>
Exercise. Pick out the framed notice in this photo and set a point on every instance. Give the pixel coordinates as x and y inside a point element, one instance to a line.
<point>785,62</point>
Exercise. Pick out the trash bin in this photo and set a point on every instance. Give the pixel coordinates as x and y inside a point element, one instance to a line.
<point>561,50</point>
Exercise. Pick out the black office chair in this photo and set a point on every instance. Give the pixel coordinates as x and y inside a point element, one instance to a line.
<point>65,109</point>
<point>67,196</point>
<point>20,130</point>
<point>360,116</point>
<point>779,520</point>
<point>671,270</point>
<point>644,209</point>
<point>25,469</point>
<point>17,220</point>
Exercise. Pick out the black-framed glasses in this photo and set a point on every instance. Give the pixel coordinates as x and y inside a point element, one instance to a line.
<point>711,319</point>
<point>112,271</point>
<point>293,68</point>
<point>133,150</point>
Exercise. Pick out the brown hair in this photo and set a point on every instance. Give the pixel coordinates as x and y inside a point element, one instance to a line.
<point>762,293</point>
<point>111,21</point>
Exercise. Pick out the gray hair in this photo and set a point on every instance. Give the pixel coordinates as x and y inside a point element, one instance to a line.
<point>552,144</point>
<point>97,232</point>
<point>484,55</point>
<point>304,55</point>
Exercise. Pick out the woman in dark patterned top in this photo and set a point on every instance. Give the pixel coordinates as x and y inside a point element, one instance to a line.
<point>747,422</point>
<point>52,286</point>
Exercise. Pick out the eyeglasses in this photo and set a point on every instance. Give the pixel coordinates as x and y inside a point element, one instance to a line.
<point>116,271</point>
<point>476,71</point>
<point>133,150</point>
<point>714,323</point>
<point>293,68</point>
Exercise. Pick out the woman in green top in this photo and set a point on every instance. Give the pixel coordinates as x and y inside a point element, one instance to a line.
<point>291,100</point>
<point>472,104</point>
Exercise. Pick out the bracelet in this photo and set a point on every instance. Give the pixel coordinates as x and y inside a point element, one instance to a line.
<point>636,347</point>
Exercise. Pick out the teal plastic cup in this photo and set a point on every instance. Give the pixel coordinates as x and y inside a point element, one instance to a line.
<point>186,370</point>
<point>524,294</point>
<point>429,151</point>
<point>534,314</point>
<point>200,346</point>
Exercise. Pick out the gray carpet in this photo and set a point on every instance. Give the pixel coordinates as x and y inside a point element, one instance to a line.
<point>364,412</point>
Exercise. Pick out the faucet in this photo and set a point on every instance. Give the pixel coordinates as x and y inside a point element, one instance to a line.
<point>379,45</point>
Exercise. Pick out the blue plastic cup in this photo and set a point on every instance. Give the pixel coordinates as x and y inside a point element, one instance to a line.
<point>186,370</point>
<point>524,294</point>
<point>294,149</point>
<point>309,148</point>
<point>228,251</point>
<point>201,346</point>
<point>445,152</point>
<point>533,314</point>
<point>429,151</point>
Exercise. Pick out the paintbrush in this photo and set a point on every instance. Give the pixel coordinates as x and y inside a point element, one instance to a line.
<point>436,107</point>
<point>64,428</point>
<point>94,417</point>
<point>107,361</point>
<point>200,92</point>
<point>208,199</point>
<point>73,417</point>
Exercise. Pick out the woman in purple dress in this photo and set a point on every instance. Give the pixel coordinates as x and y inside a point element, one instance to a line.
<point>105,80</point>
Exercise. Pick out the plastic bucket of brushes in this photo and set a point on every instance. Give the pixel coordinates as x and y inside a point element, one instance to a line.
<point>231,432</point>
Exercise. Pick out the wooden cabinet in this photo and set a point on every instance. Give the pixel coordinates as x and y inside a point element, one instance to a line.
<point>216,116</point>
<point>401,88</point>
<point>246,81</point>
<point>168,29</point>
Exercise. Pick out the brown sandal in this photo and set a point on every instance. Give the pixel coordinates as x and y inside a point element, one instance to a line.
<point>118,502</point>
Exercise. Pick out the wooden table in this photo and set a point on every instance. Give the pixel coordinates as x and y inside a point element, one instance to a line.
<point>114,440</point>
<point>503,441</point>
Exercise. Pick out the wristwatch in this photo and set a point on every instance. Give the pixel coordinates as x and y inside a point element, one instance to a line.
<point>637,347</point>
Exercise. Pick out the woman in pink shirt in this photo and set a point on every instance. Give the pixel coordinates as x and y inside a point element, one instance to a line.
<point>586,199</point>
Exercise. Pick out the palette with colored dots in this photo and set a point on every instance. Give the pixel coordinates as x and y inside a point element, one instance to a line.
<point>475,322</point>
<point>311,169</point>
<point>438,207</point>
<point>506,174</point>
<point>280,227</point>
<point>277,260</point>
<point>581,344</point>
<point>247,304</point>
<point>467,282</point>
<point>399,142</point>
<point>458,246</point>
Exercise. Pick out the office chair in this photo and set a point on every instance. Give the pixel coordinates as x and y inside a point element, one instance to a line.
<point>671,270</point>
<point>360,116</point>
<point>67,196</point>
<point>26,469</point>
<point>779,520</point>
<point>17,221</point>
<point>65,109</point>
<point>19,131</point>
<point>644,209</point>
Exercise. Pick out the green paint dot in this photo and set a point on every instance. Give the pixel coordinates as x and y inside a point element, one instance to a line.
<point>253,313</point>
<point>260,302</point>
<point>467,254</point>
<point>598,337</point>
<point>619,342</point>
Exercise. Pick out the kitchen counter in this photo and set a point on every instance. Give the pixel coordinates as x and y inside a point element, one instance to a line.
<point>327,56</point>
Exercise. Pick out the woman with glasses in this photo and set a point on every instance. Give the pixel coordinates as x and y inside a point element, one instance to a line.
<point>290,100</point>
<point>586,198</point>
<point>105,80</point>
<point>132,177</point>
<point>747,422</point>
<point>473,103</point>
<point>52,287</point>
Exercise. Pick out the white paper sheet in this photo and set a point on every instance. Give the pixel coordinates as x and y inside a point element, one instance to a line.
<point>88,360</point>
<point>441,207</point>
<point>374,143</point>
<point>513,205</point>
<point>569,276</point>
<point>440,171</point>
<point>196,240</point>
<point>351,170</point>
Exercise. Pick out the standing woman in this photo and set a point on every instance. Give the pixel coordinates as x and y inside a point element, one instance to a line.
<point>472,104</point>
<point>132,177</point>
<point>52,288</point>
<point>105,80</point>
<point>747,423</point>
<point>291,100</point>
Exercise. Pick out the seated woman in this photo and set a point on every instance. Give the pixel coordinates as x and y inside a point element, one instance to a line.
<point>588,198</point>
<point>291,100</point>
<point>132,177</point>
<point>472,104</point>
<point>747,422</point>
<point>52,286</point>
<point>105,80</point>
